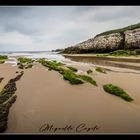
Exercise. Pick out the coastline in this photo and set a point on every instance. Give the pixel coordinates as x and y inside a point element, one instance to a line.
<point>135,59</point>
<point>131,62</point>
<point>44,97</point>
<point>70,70</point>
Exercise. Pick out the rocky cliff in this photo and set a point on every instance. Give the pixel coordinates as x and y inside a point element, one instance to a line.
<point>132,38</point>
<point>124,38</point>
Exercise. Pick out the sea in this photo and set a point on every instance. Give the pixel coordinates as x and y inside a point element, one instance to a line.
<point>68,60</point>
<point>34,55</point>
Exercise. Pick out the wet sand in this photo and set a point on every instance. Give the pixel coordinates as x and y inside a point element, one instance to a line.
<point>112,58</point>
<point>132,62</point>
<point>44,97</point>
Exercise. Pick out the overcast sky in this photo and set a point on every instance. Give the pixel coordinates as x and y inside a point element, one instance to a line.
<point>33,28</point>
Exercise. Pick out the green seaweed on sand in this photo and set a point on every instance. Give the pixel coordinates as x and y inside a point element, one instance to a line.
<point>89,71</point>
<point>88,79</point>
<point>67,73</point>
<point>25,63</point>
<point>25,60</point>
<point>134,52</point>
<point>1,79</point>
<point>2,61</point>
<point>99,69</point>
<point>72,68</point>
<point>7,98</point>
<point>123,53</point>
<point>3,58</point>
<point>28,66</point>
<point>115,90</point>
<point>72,77</point>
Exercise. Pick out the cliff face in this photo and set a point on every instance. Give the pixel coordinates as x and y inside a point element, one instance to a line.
<point>108,42</point>
<point>132,39</point>
<point>125,38</point>
<point>83,47</point>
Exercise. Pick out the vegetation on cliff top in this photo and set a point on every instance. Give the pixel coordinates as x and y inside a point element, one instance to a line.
<point>122,30</point>
<point>77,49</point>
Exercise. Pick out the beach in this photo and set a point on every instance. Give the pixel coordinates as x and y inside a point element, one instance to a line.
<point>69,70</point>
<point>45,98</point>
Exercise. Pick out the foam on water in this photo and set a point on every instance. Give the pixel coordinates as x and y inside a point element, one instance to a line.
<point>48,55</point>
<point>11,60</point>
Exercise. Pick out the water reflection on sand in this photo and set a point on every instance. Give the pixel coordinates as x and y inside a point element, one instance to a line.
<point>119,62</point>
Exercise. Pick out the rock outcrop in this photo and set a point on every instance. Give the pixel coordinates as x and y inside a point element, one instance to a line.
<point>107,43</point>
<point>125,38</point>
<point>85,46</point>
<point>132,38</point>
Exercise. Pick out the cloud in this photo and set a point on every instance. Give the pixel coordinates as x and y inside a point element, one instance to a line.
<point>52,27</point>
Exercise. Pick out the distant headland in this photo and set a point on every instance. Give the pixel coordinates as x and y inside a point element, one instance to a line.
<point>127,38</point>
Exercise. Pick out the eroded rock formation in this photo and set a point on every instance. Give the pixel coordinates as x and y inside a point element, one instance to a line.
<point>125,38</point>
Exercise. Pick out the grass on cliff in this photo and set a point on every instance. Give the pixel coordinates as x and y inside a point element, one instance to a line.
<point>115,90</point>
<point>121,30</point>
